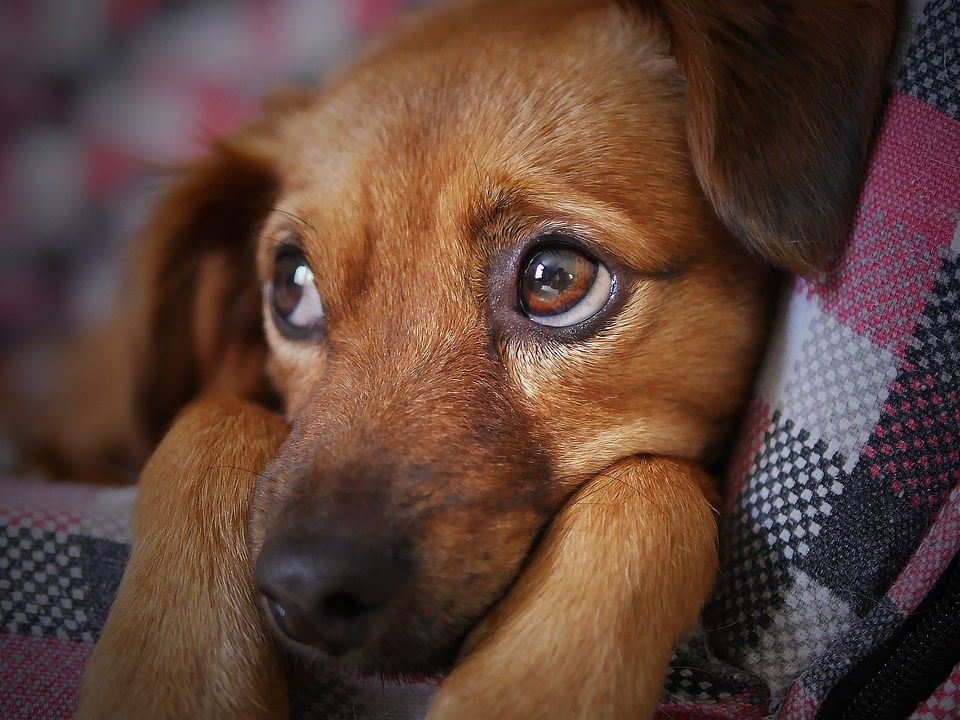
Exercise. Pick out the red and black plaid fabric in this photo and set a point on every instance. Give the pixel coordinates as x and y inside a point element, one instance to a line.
<point>843,510</point>
<point>62,551</point>
<point>844,494</point>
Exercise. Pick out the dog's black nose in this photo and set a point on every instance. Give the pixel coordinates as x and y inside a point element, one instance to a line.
<point>325,591</point>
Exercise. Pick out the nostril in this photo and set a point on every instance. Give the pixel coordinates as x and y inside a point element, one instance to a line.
<point>278,611</point>
<point>291,621</point>
<point>344,606</point>
<point>335,623</point>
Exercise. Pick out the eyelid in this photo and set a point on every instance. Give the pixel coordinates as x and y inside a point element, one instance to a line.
<point>503,287</point>
<point>274,237</point>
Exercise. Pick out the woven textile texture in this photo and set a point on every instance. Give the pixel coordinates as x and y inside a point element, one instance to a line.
<point>843,503</point>
<point>844,497</point>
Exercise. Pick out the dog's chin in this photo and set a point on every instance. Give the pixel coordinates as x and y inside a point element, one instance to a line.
<point>402,654</point>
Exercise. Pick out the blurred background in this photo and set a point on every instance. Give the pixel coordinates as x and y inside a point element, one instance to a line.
<point>98,96</point>
<point>98,100</point>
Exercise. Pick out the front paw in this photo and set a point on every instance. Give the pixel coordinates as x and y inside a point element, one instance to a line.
<point>587,630</point>
<point>184,637</point>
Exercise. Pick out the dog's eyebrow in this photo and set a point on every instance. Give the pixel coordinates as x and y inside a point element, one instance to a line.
<point>497,216</point>
<point>503,215</point>
<point>494,203</point>
<point>292,223</point>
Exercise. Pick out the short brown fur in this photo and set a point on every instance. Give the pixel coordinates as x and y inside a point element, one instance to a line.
<point>541,494</point>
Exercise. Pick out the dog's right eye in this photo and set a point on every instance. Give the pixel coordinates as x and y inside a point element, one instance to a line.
<point>563,286</point>
<point>294,299</point>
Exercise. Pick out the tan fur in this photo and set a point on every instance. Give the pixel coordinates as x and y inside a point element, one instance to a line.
<point>183,608</point>
<point>542,495</point>
<point>645,520</point>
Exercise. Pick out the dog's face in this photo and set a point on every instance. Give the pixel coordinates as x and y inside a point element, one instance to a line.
<point>481,285</point>
<point>487,269</point>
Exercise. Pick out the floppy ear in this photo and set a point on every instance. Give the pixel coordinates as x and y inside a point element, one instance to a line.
<point>199,328</point>
<point>781,100</point>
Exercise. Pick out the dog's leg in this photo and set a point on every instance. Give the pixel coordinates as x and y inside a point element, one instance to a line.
<point>184,637</point>
<point>587,631</point>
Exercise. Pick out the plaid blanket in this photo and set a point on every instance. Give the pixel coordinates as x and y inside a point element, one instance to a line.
<point>844,494</point>
<point>842,527</point>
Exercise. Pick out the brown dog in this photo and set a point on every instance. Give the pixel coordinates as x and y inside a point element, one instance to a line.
<point>514,276</point>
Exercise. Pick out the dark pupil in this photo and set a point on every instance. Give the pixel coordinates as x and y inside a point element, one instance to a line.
<point>550,279</point>
<point>556,279</point>
<point>288,280</point>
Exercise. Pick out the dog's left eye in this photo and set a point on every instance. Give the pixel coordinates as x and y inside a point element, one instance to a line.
<point>294,299</point>
<point>561,285</point>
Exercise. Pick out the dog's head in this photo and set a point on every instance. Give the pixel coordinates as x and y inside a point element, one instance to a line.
<point>519,242</point>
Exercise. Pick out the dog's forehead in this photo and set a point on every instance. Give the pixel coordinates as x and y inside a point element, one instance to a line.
<point>565,106</point>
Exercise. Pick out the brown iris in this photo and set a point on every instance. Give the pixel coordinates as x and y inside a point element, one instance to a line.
<point>289,278</point>
<point>297,309</point>
<point>557,278</point>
